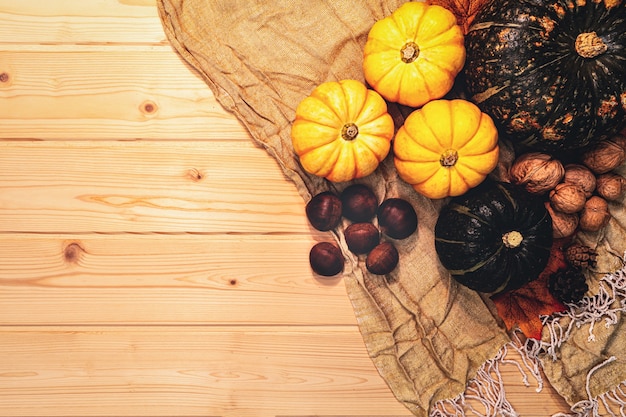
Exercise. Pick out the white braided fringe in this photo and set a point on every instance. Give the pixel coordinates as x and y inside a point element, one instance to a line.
<point>485,394</point>
<point>487,390</point>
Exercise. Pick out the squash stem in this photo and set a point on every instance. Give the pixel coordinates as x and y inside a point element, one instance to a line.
<point>349,131</point>
<point>512,239</point>
<point>449,158</point>
<point>410,51</point>
<point>590,45</point>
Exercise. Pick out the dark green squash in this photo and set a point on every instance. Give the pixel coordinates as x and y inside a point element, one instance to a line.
<point>495,238</point>
<point>551,73</point>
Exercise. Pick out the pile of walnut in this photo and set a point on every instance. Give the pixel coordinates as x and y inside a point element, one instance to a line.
<point>578,193</point>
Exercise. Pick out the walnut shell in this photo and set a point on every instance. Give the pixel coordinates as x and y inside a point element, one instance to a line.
<point>595,215</point>
<point>611,186</point>
<point>582,176</point>
<point>537,172</point>
<point>567,198</point>
<point>620,139</point>
<point>604,156</point>
<point>563,224</point>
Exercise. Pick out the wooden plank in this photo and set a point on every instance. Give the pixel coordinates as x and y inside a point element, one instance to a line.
<point>145,187</point>
<point>243,372</point>
<point>161,279</point>
<point>84,21</point>
<point>208,371</point>
<point>108,93</point>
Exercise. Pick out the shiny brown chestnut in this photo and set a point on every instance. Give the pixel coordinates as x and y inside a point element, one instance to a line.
<point>359,203</point>
<point>326,259</point>
<point>382,259</point>
<point>397,218</point>
<point>362,237</point>
<point>324,211</point>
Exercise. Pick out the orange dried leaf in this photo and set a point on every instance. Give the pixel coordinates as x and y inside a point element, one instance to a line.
<point>464,10</point>
<point>524,307</point>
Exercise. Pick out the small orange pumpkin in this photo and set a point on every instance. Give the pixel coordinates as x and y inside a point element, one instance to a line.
<point>342,131</point>
<point>414,55</point>
<point>445,148</point>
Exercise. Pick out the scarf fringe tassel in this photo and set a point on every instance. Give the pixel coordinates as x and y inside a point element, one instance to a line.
<point>485,395</point>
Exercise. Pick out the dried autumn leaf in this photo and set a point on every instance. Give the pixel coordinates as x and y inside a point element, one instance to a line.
<point>464,10</point>
<point>524,307</point>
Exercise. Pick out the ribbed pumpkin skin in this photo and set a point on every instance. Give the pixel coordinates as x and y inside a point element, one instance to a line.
<point>413,56</point>
<point>469,237</point>
<point>342,130</point>
<point>445,148</point>
<point>523,69</point>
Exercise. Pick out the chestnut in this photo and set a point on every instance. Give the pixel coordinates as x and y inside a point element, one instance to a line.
<point>324,211</point>
<point>397,218</point>
<point>361,237</point>
<point>326,259</point>
<point>359,203</point>
<point>382,259</point>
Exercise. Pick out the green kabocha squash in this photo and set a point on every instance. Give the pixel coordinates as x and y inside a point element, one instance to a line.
<point>551,73</point>
<point>495,238</point>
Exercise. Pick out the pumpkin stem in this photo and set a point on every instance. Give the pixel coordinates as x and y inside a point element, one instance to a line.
<point>449,158</point>
<point>410,51</point>
<point>512,239</point>
<point>349,131</point>
<point>590,45</point>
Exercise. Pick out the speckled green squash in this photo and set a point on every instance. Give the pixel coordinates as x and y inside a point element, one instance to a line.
<point>495,238</point>
<point>551,73</point>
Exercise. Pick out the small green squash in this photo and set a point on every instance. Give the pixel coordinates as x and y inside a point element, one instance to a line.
<point>495,238</point>
<point>551,73</point>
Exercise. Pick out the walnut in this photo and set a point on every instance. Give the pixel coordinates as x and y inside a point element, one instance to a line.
<point>620,139</point>
<point>580,175</point>
<point>595,215</point>
<point>611,186</point>
<point>604,156</point>
<point>563,224</point>
<point>537,172</point>
<point>567,198</point>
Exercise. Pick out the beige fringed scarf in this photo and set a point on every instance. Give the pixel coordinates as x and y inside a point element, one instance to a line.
<point>434,342</point>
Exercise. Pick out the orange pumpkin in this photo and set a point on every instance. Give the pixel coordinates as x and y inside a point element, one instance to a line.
<point>414,55</point>
<point>445,148</point>
<point>342,131</point>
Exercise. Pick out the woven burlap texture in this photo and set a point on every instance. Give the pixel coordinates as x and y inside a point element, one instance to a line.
<point>426,335</point>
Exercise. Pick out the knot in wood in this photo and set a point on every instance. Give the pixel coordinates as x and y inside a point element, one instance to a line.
<point>148,107</point>
<point>72,252</point>
<point>195,174</point>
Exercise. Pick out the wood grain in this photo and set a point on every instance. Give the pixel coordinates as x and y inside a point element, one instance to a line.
<point>145,187</point>
<point>190,371</point>
<point>107,93</point>
<point>202,371</point>
<point>153,260</point>
<point>166,280</point>
<point>54,22</point>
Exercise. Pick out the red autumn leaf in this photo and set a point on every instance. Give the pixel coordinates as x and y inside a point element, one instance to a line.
<point>464,10</point>
<point>523,307</point>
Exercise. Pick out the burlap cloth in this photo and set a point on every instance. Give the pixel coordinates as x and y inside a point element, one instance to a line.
<point>426,335</point>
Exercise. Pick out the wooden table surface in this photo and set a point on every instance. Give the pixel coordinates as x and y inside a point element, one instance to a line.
<point>153,260</point>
